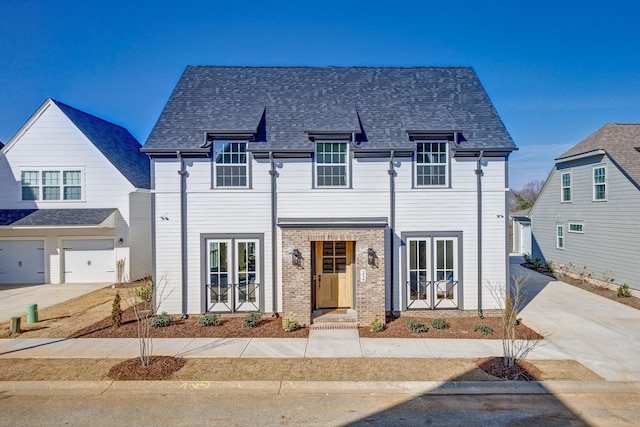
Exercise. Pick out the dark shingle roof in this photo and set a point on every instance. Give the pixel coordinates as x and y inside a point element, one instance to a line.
<point>53,217</point>
<point>115,143</point>
<point>619,140</point>
<point>385,102</point>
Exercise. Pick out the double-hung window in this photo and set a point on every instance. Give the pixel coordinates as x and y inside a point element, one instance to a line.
<point>51,184</point>
<point>230,164</point>
<point>332,163</point>
<point>565,184</point>
<point>432,160</point>
<point>600,183</point>
<point>560,236</point>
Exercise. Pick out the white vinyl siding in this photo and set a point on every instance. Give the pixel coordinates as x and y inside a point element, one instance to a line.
<point>565,187</point>
<point>600,183</point>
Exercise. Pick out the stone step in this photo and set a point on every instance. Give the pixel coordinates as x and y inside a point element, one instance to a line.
<point>334,325</point>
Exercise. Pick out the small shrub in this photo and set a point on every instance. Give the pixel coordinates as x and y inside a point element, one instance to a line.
<point>116,311</point>
<point>376,325</point>
<point>537,263</point>
<point>484,329</point>
<point>290,324</point>
<point>549,266</point>
<point>623,291</point>
<point>527,258</point>
<point>439,324</point>
<point>145,293</point>
<point>161,320</point>
<point>210,319</point>
<point>415,326</point>
<point>253,319</point>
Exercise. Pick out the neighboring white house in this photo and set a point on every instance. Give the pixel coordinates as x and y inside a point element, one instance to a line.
<point>521,226</point>
<point>295,190</point>
<point>587,214</point>
<point>74,200</point>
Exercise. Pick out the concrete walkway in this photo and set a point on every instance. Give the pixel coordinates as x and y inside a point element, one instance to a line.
<point>601,334</point>
<point>14,298</point>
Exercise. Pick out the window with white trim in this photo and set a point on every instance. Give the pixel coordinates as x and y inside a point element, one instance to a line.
<point>432,160</point>
<point>331,164</point>
<point>565,184</point>
<point>51,184</point>
<point>560,237</point>
<point>230,164</point>
<point>576,227</point>
<point>600,183</point>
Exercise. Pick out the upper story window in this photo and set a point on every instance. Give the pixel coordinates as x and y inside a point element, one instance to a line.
<point>565,184</point>
<point>51,184</point>
<point>560,237</point>
<point>432,161</point>
<point>600,183</point>
<point>331,164</point>
<point>230,164</point>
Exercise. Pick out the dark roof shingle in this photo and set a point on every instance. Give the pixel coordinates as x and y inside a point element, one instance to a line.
<point>54,217</point>
<point>385,102</point>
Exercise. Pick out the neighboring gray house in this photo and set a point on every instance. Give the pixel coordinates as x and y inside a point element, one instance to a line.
<point>298,190</point>
<point>588,213</point>
<point>74,200</point>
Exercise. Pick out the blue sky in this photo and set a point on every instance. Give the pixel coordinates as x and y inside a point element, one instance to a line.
<point>555,70</point>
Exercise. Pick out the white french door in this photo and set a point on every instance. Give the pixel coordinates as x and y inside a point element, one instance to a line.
<point>432,273</point>
<point>232,275</point>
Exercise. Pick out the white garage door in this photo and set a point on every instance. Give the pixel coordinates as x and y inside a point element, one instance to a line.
<point>89,261</point>
<point>21,261</point>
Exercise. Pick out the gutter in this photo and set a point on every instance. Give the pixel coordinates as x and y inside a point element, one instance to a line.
<point>183,231</point>
<point>274,243</point>
<point>479,174</point>
<point>392,225</point>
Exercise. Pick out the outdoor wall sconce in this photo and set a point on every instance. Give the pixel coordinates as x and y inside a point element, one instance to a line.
<point>296,258</point>
<point>372,257</point>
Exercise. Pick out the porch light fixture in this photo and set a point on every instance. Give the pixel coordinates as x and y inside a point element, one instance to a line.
<point>372,257</point>
<point>296,258</point>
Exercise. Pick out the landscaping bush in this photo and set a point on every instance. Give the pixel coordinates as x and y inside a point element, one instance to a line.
<point>376,325</point>
<point>439,324</point>
<point>415,326</point>
<point>161,320</point>
<point>210,319</point>
<point>253,319</point>
<point>116,311</point>
<point>623,291</point>
<point>145,293</point>
<point>289,324</point>
<point>484,329</point>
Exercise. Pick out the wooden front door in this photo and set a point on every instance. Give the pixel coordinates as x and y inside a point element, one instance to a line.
<point>334,278</point>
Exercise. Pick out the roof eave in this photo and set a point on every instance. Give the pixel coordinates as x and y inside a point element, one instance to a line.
<point>598,152</point>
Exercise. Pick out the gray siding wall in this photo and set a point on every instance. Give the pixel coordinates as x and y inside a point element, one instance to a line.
<point>611,238</point>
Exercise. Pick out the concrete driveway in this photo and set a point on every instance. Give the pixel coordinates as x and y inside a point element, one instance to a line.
<point>602,334</point>
<point>14,298</point>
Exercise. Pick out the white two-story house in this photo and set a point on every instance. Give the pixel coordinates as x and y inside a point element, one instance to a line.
<point>295,190</point>
<point>74,201</point>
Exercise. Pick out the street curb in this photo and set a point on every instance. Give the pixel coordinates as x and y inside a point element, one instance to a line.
<point>38,388</point>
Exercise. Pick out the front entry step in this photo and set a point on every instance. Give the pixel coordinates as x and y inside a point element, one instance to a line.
<point>334,319</point>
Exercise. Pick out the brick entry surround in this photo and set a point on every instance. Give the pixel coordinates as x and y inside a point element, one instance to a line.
<point>297,281</point>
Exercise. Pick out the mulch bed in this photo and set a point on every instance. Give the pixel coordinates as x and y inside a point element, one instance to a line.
<point>459,327</point>
<point>160,368</point>
<point>231,327</point>
<point>521,370</point>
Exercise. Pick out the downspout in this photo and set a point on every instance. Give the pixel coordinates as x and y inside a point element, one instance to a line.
<point>274,234</point>
<point>183,231</point>
<point>392,224</point>
<point>479,216</point>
